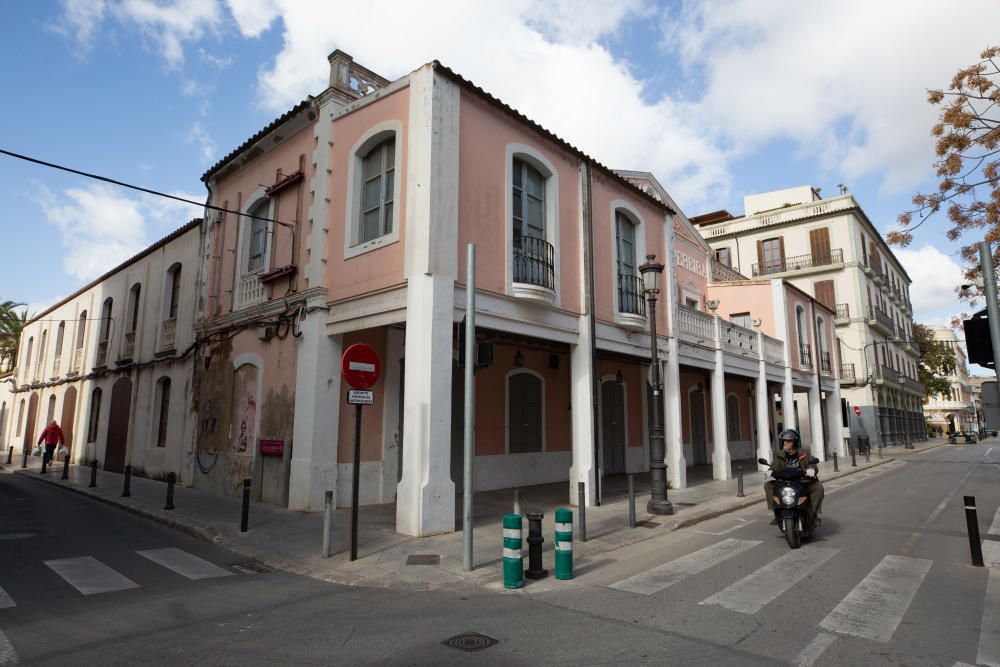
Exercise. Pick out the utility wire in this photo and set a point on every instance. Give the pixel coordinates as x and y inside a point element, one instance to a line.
<point>105,179</point>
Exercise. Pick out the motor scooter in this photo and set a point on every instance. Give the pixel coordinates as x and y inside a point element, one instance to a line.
<point>791,499</point>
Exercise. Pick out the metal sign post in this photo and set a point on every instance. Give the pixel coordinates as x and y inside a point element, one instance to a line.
<point>361,368</point>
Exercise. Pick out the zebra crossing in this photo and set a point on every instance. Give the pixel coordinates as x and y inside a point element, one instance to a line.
<point>89,576</point>
<point>872,610</point>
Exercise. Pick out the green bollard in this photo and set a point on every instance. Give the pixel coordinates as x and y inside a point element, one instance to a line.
<point>564,543</point>
<point>513,560</point>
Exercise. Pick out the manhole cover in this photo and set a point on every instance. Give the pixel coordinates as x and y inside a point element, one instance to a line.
<point>16,536</point>
<point>252,568</point>
<point>423,559</point>
<point>647,524</point>
<point>470,642</point>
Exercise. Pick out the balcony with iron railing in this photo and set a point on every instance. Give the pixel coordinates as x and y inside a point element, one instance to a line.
<point>168,332</point>
<point>912,347</point>
<point>805,358</point>
<point>128,347</point>
<point>847,375</point>
<point>799,263</point>
<point>885,374</point>
<point>914,386</point>
<point>880,320</point>
<point>825,367</point>
<point>631,295</point>
<point>843,314</point>
<point>534,269</point>
<point>77,361</point>
<point>102,354</point>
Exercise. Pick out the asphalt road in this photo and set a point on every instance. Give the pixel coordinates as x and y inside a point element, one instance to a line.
<point>76,590</point>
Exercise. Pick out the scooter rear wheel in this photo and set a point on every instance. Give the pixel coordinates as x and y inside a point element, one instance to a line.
<point>791,532</point>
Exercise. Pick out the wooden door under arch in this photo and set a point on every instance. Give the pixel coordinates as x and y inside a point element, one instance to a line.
<point>117,442</point>
<point>29,426</point>
<point>68,415</point>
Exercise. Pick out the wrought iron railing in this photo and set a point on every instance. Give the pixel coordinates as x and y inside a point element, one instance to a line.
<point>914,385</point>
<point>534,262</point>
<point>824,362</point>
<point>168,332</point>
<point>774,351</point>
<point>738,339</point>
<point>843,311</point>
<point>847,372</point>
<point>805,359</point>
<point>834,256</point>
<point>694,323</point>
<point>881,317</point>
<point>888,373</point>
<point>722,272</point>
<point>631,295</point>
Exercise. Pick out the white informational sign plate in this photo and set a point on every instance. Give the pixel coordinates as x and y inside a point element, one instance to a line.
<point>360,397</point>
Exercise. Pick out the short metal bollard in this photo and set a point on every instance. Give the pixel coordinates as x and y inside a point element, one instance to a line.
<point>564,543</point>
<point>171,480</point>
<point>127,485</point>
<point>739,482</point>
<point>535,541</point>
<point>245,517</point>
<point>517,501</point>
<point>44,463</point>
<point>10,454</point>
<point>513,560</point>
<point>93,473</point>
<point>854,458</point>
<point>868,454</point>
<point>327,522</point>
<point>65,472</point>
<point>631,501</point>
<point>880,450</point>
<point>972,524</point>
<point>581,488</point>
<point>24,459</point>
<point>836,466</point>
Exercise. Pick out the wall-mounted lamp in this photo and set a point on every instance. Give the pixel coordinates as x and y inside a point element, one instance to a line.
<point>619,378</point>
<point>518,359</point>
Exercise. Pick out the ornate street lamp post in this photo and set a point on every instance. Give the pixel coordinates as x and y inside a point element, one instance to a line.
<point>658,504</point>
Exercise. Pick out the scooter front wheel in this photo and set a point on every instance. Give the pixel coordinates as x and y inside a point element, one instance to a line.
<point>791,532</point>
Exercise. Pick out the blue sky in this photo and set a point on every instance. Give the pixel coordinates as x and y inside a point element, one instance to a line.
<point>719,99</point>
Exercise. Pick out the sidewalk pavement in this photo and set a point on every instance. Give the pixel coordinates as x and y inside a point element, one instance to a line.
<point>292,541</point>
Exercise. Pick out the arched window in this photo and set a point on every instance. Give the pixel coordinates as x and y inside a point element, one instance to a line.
<point>40,365</point>
<point>173,294</point>
<point>104,338</point>
<point>525,413</point>
<point>733,429</point>
<point>95,415</point>
<point>629,284</point>
<point>50,413</point>
<point>824,362</point>
<point>27,358</point>
<point>257,252</point>
<point>132,323</point>
<point>378,167</point>
<point>528,191</point>
<point>20,417</point>
<point>81,330</point>
<point>163,411</point>
<point>60,335</point>
<point>3,421</point>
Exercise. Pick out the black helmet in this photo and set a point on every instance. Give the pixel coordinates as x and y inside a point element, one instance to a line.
<point>790,434</point>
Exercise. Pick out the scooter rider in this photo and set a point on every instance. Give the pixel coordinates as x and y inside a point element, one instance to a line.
<point>792,455</point>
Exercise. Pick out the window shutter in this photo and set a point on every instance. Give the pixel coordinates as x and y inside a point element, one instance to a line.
<point>760,257</point>
<point>819,245</point>
<point>781,252</point>
<point>825,294</point>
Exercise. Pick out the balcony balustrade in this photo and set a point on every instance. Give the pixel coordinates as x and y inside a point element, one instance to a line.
<point>249,291</point>
<point>847,376</point>
<point>128,346</point>
<point>799,262</point>
<point>878,318</point>
<point>774,351</point>
<point>805,359</point>
<point>56,363</point>
<point>824,363</point>
<point>914,386</point>
<point>884,374</point>
<point>534,262</point>
<point>631,295</point>
<point>102,354</point>
<point>77,361</point>
<point>843,314</point>
<point>738,339</point>
<point>694,325</point>
<point>168,332</point>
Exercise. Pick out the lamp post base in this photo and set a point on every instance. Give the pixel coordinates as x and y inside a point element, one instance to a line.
<point>661,507</point>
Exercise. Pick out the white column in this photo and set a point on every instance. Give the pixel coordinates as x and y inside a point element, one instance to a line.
<point>582,378</point>
<point>789,417</point>
<point>816,420</point>
<point>392,438</point>
<point>762,397</point>
<point>835,420</point>
<point>425,497</point>
<point>317,414</point>
<point>721,466</point>
<point>676,463</point>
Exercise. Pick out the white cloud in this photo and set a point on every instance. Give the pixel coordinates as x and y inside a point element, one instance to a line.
<point>935,276</point>
<point>170,26</point>
<point>79,21</point>
<point>254,16</point>
<point>101,226</point>
<point>197,135</point>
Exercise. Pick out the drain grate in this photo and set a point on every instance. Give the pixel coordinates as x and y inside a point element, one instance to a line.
<point>252,568</point>
<point>647,524</point>
<point>470,642</point>
<point>423,559</point>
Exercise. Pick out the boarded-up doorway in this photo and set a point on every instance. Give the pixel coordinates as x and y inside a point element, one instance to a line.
<point>117,442</point>
<point>613,427</point>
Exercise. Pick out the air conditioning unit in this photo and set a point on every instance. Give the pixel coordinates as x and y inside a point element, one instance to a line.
<point>265,333</point>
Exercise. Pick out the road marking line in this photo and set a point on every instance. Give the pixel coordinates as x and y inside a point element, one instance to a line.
<point>668,574</point>
<point>8,656</point>
<point>989,629</point>
<point>5,600</point>
<point>90,576</point>
<point>742,524</point>
<point>184,564</point>
<point>874,608</point>
<point>751,593</point>
<point>815,649</point>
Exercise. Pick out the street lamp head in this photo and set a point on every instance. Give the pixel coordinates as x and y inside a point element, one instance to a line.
<point>651,272</point>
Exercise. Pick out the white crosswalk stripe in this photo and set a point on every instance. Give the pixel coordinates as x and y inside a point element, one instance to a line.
<point>184,564</point>
<point>668,574</point>
<point>875,607</point>
<point>991,548</point>
<point>90,576</point>
<point>989,629</point>
<point>8,656</point>
<point>751,593</point>
<point>5,600</point>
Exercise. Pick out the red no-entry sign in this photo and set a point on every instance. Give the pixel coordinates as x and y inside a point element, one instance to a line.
<point>360,366</point>
<point>857,410</point>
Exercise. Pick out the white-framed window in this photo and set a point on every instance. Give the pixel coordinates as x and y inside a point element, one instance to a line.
<point>723,257</point>
<point>257,228</point>
<point>532,224</point>
<point>741,320</point>
<point>525,412</point>
<point>173,293</point>
<point>374,182</point>
<point>733,429</point>
<point>163,410</point>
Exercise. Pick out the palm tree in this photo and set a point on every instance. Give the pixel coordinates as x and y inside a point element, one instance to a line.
<point>11,324</point>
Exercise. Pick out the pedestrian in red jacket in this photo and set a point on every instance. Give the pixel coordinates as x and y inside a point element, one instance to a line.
<point>52,435</point>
